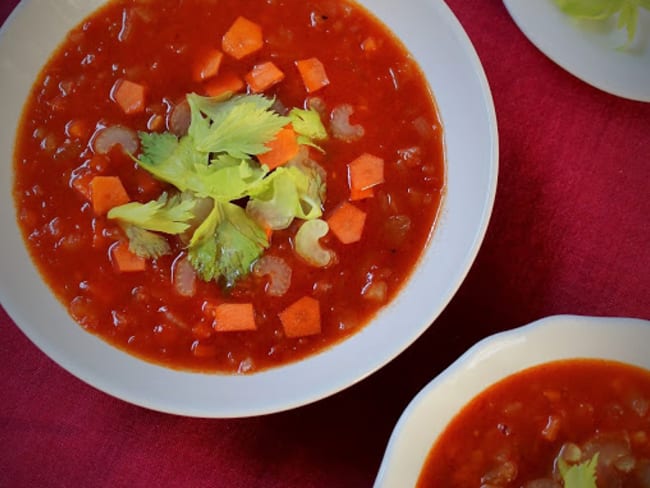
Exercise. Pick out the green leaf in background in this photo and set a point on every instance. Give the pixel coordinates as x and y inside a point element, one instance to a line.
<point>627,10</point>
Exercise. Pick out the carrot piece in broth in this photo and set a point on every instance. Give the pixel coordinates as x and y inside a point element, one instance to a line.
<point>301,318</point>
<point>244,37</point>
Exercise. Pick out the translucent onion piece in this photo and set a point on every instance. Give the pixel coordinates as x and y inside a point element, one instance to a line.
<point>179,118</point>
<point>105,139</point>
<point>340,124</point>
<point>184,276</point>
<point>308,246</point>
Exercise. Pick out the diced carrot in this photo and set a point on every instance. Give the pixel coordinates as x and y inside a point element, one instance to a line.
<point>356,194</point>
<point>230,317</point>
<point>124,260</point>
<point>301,318</point>
<point>263,76</point>
<point>365,172</point>
<point>208,65</point>
<point>347,222</point>
<point>225,82</point>
<point>107,192</point>
<point>244,37</point>
<point>281,149</point>
<point>313,74</point>
<point>130,96</point>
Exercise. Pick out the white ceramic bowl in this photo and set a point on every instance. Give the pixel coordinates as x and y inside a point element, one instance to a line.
<point>492,359</point>
<point>437,41</point>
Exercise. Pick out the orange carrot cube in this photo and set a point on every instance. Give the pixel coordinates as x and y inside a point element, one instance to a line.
<point>129,96</point>
<point>313,74</point>
<point>208,65</point>
<point>107,192</point>
<point>301,318</point>
<point>124,260</point>
<point>347,222</point>
<point>244,37</point>
<point>365,172</point>
<point>229,317</point>
<point>282,149</point>
<point>263,76</point>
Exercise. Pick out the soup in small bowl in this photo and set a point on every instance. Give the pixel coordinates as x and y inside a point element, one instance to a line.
<point>564,401</point>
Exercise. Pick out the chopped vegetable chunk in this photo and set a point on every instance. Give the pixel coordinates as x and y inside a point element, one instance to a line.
<point>301,318</point>
<point>129,96</point>
<point>107,192</point>
<point>231,317</point>
<point>208,66</point>
<point>243,38</point>
<point>281,149</point>
<point>313,74</point>
<point>347,222</point>
<point>224,83</point>
<point>263,76</point>
<point>365,172</point>
<point>124,260</point>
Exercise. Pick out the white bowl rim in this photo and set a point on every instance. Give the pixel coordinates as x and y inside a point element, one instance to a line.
<point>492,359</point>
<point>194,394</point>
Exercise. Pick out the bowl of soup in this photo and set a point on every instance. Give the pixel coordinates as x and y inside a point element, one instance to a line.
<point>242,210</point>
<point>563,401</point>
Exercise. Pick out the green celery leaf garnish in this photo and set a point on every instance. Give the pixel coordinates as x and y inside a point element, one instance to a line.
<point>157,147</point>
<point>179,166</point>
<point>308,126</point>
<point>146,244</point>
<point>288,193</point>
<point>226,244</point>
<point>581,475</point>
<point>590,9</point>
<point>216,161</point>
<point>240,126</point>
<point>168,215</point>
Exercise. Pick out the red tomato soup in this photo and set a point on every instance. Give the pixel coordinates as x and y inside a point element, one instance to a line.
<point>572,424</point>
<point>172,154</point>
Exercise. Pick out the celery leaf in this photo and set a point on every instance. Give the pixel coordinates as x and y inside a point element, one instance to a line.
<point>581,475</point>
<point>226,244</point>
<point>168,215</point>
<point>146,244</point>
<point>308,126</point>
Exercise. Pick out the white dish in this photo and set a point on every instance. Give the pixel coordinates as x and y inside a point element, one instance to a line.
<point>437,41</point>
<point>492,359</point>
<point>589,50</point>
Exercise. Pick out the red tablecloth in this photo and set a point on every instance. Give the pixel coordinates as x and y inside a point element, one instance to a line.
<point>570,233</point>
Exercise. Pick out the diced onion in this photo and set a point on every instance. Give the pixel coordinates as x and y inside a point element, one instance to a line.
<point>340,124</point>
<point>179,118</point>
<point>308,246</point>
<point>278,272</point>
<point>105,139</point>
<point>184,276</point>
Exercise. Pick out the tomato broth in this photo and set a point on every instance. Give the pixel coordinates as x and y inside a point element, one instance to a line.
<point>519,431</point>
<point>130,66</point>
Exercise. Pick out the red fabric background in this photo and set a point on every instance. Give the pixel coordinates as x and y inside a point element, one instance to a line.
<point>570,233</point>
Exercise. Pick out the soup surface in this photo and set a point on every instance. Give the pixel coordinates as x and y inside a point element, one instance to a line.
<point>157,260</point>
<point>573,424</point>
